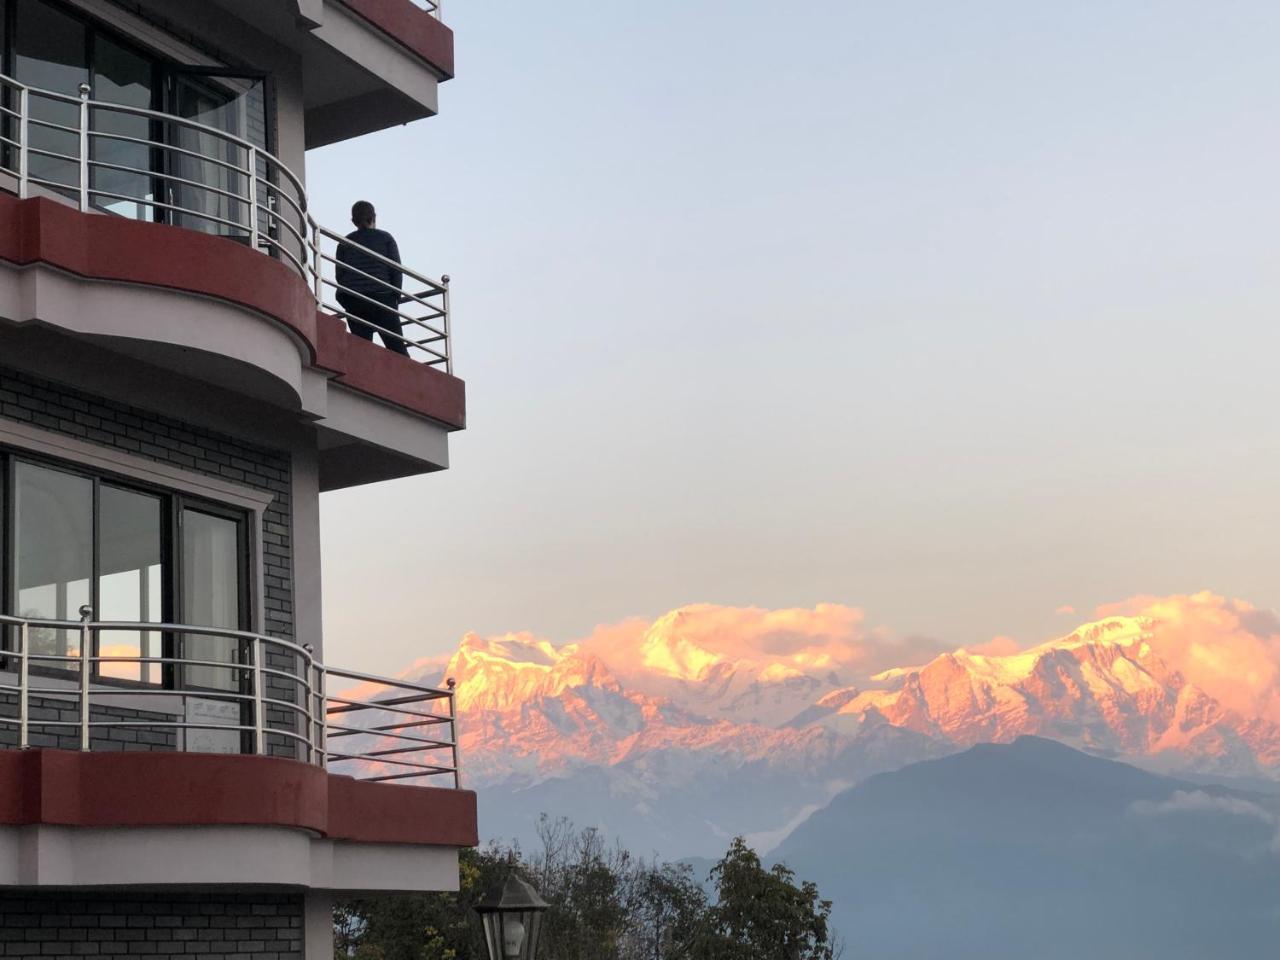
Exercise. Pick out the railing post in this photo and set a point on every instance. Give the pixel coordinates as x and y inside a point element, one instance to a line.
<point>259,737</point>
<point>24,682</point>
<point>84,151</point>
<point>253,198</point>
<point>86,666</point>
<point>322,714</point>
<point>448,331</point>
<point>453,726</point>
<point>24,113</point>
<point>317,262</point>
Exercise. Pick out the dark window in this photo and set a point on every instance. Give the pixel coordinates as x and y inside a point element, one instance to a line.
<point>178,174</point>
<point>124,76</point>
<point>51,52</point>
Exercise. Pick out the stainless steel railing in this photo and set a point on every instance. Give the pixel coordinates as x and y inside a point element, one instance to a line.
<point>431,6</point>
<point>384,726</point>
<point>111,686</point>
<point>112,158</point>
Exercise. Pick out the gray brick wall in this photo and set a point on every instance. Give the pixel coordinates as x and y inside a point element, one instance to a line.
<point>213,926</point>
<point>59,737</point>
<point>157,437</point>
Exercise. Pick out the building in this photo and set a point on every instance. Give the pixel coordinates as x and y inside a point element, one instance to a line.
<point>181,769</point>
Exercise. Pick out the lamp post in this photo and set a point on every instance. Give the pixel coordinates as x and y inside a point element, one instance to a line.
<point>512,919</point>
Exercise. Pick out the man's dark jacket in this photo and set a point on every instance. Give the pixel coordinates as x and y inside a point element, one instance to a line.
<point>352,259</point>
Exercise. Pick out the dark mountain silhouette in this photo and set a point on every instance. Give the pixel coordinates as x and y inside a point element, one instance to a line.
<point>1034,851</point>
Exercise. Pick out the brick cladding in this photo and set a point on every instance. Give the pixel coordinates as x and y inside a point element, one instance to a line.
<point>65,733</point>
<point>156,437</point>
<point>213,926</point>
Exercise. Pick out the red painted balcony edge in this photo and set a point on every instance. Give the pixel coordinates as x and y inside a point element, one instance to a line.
<point>99,247</point>
<point>413,27</point>
<point>377,372</point>
<point>64,788</point>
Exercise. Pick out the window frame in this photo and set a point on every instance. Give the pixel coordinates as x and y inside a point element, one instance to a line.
<point>173,503</point>
<point>165,69</point>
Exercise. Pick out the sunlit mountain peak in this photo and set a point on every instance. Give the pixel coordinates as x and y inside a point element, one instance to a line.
<point>667,650</point>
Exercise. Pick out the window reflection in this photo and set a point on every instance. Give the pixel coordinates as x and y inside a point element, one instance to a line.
<point>84,541</point>
<point>211,595</point>
<point>130,580</point>
<point>53,556</point>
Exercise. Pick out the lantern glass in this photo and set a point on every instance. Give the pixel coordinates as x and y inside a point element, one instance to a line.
<point>511,916</point>
<point>512,934</point>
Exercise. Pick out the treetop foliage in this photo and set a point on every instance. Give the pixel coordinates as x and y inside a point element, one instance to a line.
<point>606,904</point>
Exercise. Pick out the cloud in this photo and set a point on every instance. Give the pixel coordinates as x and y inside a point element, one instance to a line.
<point>1065,610</point>
<point>690,640</point>
<point>1230,649</point>
<point>996,647</point>
<point>1198,801</point>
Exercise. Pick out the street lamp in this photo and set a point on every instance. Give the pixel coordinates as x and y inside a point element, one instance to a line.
<point>512,919</point>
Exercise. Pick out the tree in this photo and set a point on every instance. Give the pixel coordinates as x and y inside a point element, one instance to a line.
<point>761,914</point>
<point>605,904</point>
<point>668,908</point>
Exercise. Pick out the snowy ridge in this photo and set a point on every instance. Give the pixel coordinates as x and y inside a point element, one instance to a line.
<point>776,707</point>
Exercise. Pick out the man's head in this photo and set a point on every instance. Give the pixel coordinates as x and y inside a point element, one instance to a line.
<point>363,215</point>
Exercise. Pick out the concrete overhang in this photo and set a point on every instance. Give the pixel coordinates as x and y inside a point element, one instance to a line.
<point>163,789</point>
<point>70,819</point>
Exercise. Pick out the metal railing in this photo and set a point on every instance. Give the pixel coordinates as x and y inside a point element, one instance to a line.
<point>130,161</point>
<point>112,686</point>
<point>385,726</point>
<point>431,6</point>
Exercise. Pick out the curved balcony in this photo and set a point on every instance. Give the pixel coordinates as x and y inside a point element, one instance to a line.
<point>120,160</point>
<point>158,687</point>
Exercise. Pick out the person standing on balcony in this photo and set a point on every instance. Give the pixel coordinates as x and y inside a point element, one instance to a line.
<point>369,287</point>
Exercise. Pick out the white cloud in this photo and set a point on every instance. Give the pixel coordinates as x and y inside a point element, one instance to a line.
<point>1198,801</point>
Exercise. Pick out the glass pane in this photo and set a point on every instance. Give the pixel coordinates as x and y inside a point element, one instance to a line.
<point>211,595</point>
<point>130,575</point>
<point>50,52</point>
<point>206,179</point>
<point>53,554</point>
<point>124,77</point>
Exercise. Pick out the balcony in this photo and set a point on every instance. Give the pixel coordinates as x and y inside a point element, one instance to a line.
<point>111,687</point>
<point>143,165</point>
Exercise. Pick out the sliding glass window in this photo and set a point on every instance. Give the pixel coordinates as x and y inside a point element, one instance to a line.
<point>131,556</point>
<point>193,174</point>
<point>53,554</point>
<point>212,588</point>
<point>131,573</point>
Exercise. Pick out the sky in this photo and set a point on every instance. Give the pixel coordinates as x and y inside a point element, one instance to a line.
<point>959,314</point>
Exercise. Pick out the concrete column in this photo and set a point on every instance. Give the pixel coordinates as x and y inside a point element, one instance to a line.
<point>317,925</point>
<point>306,547</point>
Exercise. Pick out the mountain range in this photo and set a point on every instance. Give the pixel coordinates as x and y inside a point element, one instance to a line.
<point>677,734</point>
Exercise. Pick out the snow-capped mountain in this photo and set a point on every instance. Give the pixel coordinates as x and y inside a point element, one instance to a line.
<point>712,721</point>
<point>1105,688</point>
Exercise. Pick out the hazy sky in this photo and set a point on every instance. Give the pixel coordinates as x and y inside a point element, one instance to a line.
<point>956,312</point>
